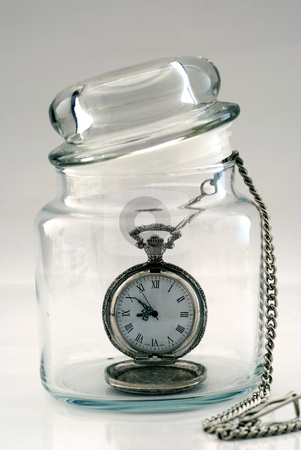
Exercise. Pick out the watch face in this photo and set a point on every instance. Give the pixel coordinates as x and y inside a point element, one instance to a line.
<point>155,314</point>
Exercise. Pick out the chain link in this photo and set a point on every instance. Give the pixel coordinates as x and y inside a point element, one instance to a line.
<point>216,424</point>
<point>255,431</point>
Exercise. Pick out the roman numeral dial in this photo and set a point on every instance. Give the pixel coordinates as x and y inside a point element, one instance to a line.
<point>155,313</point>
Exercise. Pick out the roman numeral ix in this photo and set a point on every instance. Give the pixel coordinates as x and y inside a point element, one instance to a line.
<point>129,327</point>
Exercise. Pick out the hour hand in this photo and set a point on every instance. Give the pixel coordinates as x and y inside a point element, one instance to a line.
<point>147,310</point>
<point>145,313</point>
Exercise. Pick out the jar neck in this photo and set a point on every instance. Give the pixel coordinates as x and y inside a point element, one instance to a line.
<point>158,164</point>
<point>77,190</point>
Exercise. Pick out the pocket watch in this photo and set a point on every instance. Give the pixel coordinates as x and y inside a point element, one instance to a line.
<point>155,313</point>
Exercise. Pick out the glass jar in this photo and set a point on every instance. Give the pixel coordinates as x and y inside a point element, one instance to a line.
<point>147,145</point>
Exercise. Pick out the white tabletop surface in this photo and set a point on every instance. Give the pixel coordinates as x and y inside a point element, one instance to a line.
<point>32,420</point>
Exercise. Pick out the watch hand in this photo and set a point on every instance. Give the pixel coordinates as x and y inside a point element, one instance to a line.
<point>146,299</point>
<point>140,301</point>
<point>147,310</point>
<point>153,313</point>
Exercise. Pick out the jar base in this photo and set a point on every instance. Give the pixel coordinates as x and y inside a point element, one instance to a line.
<point>84,385</point>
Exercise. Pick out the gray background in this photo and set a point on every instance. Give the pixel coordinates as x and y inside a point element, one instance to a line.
<point>48,45</point>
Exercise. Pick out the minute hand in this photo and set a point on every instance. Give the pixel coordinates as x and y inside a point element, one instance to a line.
<point>141,302</point>
<point>146,299</point>
<point>147,310</point>
<point>153,312</point>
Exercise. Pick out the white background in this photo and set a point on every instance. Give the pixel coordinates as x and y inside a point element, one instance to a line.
<point>48,45</point>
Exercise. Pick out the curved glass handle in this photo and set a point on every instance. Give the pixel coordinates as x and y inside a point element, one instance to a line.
<point>135,97</point>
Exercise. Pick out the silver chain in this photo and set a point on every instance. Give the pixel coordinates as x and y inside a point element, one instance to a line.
<point>253,431</point>
<point>241,421</point>
<point>225,425</point>
<point>248,425</point>
<point>211,182</point>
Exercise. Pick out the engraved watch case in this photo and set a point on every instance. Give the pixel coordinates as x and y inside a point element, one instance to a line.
<point>155,313</point>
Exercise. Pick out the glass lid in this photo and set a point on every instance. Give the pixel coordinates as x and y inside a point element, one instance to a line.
<point>140,107</point>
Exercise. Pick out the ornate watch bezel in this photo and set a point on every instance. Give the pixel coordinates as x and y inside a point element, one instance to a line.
<point>128,277</point>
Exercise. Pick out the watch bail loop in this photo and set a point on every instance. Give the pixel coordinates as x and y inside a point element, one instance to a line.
<point>155,246</point>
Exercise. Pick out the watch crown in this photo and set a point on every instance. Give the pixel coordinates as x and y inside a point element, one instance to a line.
<point>155,241</point>
<point>155,246</point>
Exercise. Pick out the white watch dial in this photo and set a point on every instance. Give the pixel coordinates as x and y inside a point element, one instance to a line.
<point>155,313</point>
